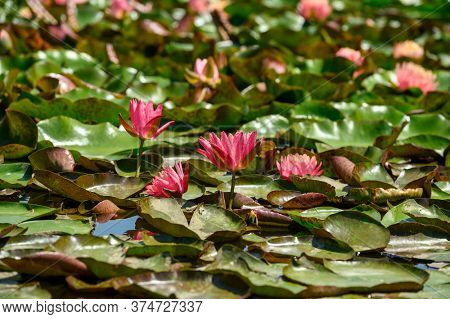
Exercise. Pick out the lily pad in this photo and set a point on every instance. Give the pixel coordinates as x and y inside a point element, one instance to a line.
<point>58,226</point>
<point>411,209</point>
<point>268,126</point>
<point>14,175</point>
<point>91,110</point>
<point>67,188</point>
<point>15,213</point>
<point>18,135</point>
<point>181,284</point>
<point>264,279</point>
<point>53,159</point>
<point>216,222</point>
<point>314,247</point>
<point>344,132</point>
<point>251,185</point>
<point>357,230</point>
<point>166,215</point>
<point>339,277</point>
<point>110,185</point>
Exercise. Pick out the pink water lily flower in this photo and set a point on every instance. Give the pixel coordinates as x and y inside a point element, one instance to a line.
<point>205,71</point>
<point>139,234</point>
<point>298,165</point>
<point>352,55</point>
<point>274,64</point>
<point>144,120</point>
<point>119,8</point>
<point>229,152</point>
<point>171,182</point>
<point>63,2</point>
<point>314,9</point>
<point>199,6</point>
<point>60,32</point>
<point>411,75</point>
<point>408,49</point>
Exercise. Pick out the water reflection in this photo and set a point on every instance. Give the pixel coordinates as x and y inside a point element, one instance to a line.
<point>115,226</point>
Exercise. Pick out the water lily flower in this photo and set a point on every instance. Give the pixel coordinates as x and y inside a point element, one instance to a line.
<point>64,2</point>
<point>205,71</point>
<point>351,55</point>
<point>276,65</point>
<point>411,75</point>
<point>171,182</point>
<point>199,6</point>
<point>314,9</point>
<point>121,7</point>
<point>230,152</point>
<point>144,123</point>
<point>60,32</point>
<point>408,49</point>
<point>139,234</point>
<point>144,120</point>
<point>298,165</point>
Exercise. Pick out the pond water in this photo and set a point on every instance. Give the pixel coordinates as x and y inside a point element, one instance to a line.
<point>115,226</point>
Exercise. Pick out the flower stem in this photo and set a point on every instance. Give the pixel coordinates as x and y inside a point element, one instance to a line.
<point>138,166</point>
<point>233,184</point>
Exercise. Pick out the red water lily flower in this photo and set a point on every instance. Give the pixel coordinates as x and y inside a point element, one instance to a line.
<point>408,49</point>
<point>411,75</point>
<point>314,9</point>
<point>171,182</point>
<point>229,152</point>
<point>298,165</point>
<point>144,120</point>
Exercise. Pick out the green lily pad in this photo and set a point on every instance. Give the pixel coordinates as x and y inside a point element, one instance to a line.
<point>252,186</point>
<point>29,291</point>
<point>67,188</point>
<point>339,277</point>
<point>411,209</point>
<point>440,190</point>
<point>166,215</point>
<point>97,141</point>
<point>159,243</point>
<point>204,113</point>
<point>130,266</point>
<point>318,184</point>
<point>58,226</point>
<point>15,213</point>
<point>370,175</point>
<point>314,247</point>
<point>267,126</point>
<point>357,230</point>
<point>315,110</point>
<point>216,222</point>
<point>111,185</point>
<point>87,246</point>
<point>92,110</point>
<point>18,135</point>
<point>181,284</point>
<point>344,132</point>
<point>14,175</point>
<point>264,279</point>
<point>425,244</point>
